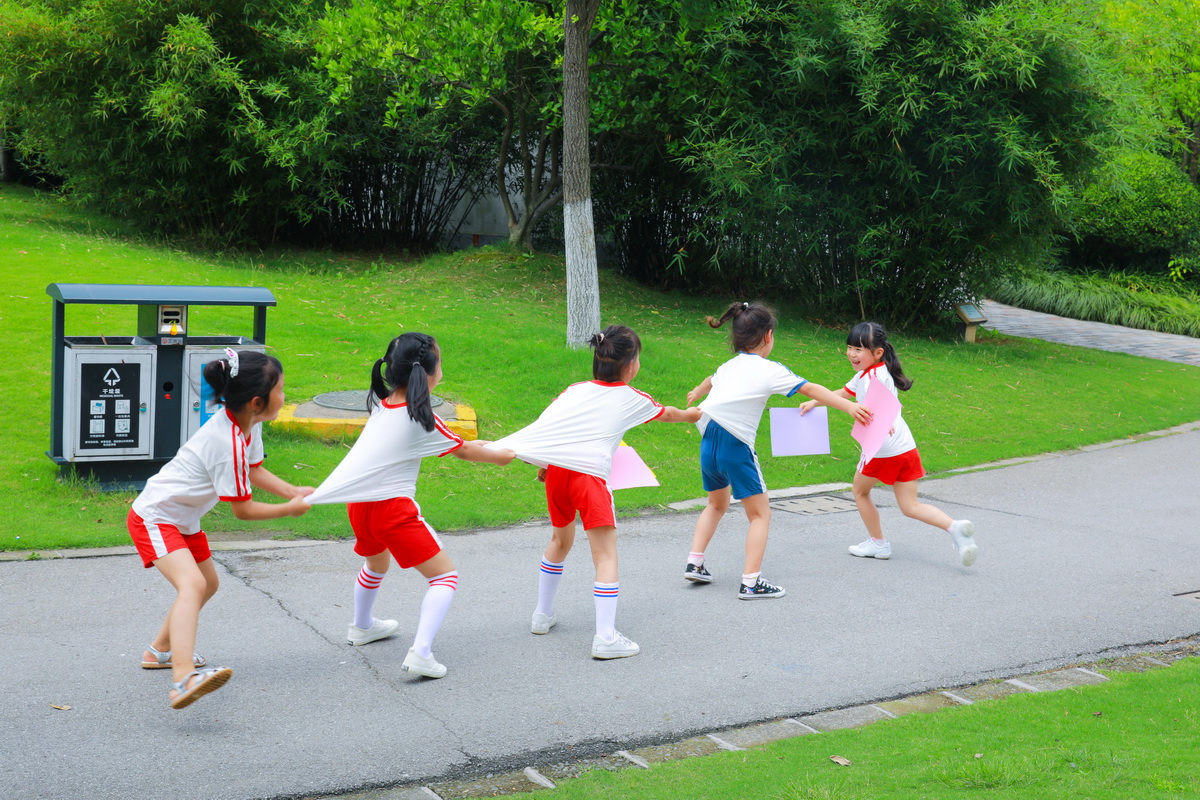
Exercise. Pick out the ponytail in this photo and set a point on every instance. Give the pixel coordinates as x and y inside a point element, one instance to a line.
<point>751,324</point>
<point>614,348</point>
<point>870,336</point>
<point>409,361</point>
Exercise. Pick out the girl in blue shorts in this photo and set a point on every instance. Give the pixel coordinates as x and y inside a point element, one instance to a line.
<point>735,396</point>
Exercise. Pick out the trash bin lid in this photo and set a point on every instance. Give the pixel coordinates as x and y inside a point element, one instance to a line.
<point>140,295</point>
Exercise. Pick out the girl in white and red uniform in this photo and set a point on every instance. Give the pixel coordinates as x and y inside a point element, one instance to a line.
<point>222,461</point>
<point>898,464</point>
<point>573,441</point>
<point>378,481</point>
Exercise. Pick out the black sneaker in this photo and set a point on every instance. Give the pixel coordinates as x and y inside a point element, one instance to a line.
<point>760,591</point>
<point>697,574</point>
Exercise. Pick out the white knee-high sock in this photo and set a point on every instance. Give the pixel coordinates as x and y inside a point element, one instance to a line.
<point>365,590</point>
<point>606,610</point>
<point>438,598</point>
<point>549,576</point>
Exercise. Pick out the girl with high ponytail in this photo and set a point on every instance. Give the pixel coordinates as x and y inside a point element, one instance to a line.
<point>378,481</point>
<point>897,463</point>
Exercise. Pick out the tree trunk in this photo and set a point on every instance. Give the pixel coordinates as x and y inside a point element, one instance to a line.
<point>579,235</point>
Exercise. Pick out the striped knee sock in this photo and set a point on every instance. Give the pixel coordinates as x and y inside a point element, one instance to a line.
<point>438,598</point>
<point>549,576</point>
<point>606,610</point>
<point>365,590</point>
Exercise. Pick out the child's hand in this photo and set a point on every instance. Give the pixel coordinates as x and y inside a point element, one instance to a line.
<point>807,406</point>
<point>861,413</point>
<point>505,456</point>
<point>303,491</point>
<point>541,476</point>
<point>692,414</point>
<point>297,506</point>
<point>694,395</point>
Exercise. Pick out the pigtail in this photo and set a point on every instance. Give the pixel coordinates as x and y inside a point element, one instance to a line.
<point>379,388</point>
<point>902,381</point>
<point>733,310</point>
<point>216,374</point>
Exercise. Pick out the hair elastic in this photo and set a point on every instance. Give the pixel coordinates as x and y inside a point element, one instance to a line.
<point>601,335</point>
<point>745,304</point>
<point>232,355</point>
<point>416,363</point>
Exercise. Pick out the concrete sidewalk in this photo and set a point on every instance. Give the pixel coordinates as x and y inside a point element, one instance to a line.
<point>1080,553</point>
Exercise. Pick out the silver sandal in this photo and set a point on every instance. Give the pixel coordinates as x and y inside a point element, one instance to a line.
<point>162,659</point>
<point>209,680</point>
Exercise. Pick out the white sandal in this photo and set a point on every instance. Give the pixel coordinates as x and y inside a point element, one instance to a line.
<point>209,680</point>
<point>162,659</point>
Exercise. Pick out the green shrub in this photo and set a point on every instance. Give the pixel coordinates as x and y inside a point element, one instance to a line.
<point>1140,213</point>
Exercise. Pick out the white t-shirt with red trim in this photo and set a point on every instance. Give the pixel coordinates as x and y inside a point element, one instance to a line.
<point>386,459</point>
<point>211,466</point>
<point>582,428</point>
<point>740,390</point>
<point>901,439</point>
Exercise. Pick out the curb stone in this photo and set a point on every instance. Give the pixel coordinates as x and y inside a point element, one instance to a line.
<point>547,776</point>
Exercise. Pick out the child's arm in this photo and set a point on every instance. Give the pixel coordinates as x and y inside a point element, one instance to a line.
<point>263,478</point>
<point>809,405</point>
<point>818,392</point>
<point>672,414</point>
<point>700,391</point>
<point>474,450</point>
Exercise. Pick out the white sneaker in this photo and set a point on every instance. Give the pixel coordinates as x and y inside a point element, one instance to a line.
<point>429,667</point>
<point>380,629</point>
<point>962,532</point>
<point>872,549</point>
<point>620,647</point>
<point>541,623</point>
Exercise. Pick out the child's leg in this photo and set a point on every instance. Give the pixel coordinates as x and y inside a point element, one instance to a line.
<point>443,583</point>
<point>866,506</point>
<point>910,506</point>
<point>212,582</point>
<point>191,587</point>
<point>603,541</point>
<point>710,517</point>
<point>758,512</point>
<point>366,588</point>
<point>550,573</point>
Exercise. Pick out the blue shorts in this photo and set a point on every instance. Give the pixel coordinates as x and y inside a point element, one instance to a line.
<point>726,460</point>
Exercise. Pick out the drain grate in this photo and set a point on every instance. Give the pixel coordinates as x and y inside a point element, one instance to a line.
<point>818,504</point>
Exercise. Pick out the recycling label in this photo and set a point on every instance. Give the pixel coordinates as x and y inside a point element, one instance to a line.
<point>110,408</point>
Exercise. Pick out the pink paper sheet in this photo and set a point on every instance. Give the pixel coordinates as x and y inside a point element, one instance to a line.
<point>886,408</point>
<point>794,434</point>
<point>629,471</point>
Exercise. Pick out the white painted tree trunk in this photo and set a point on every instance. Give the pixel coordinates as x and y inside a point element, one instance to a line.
<point>579,233</point>
<point>583,286</point>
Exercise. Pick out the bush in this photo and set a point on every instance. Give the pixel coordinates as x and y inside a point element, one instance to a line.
<point>1140,213</point>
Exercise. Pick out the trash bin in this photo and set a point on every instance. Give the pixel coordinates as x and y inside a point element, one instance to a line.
<point>122,405</point>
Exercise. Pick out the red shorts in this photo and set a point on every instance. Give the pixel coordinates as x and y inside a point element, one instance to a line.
<point>155,541</point>
<point>568,492</point>
<point>395,525</point>
<point>896,469</point>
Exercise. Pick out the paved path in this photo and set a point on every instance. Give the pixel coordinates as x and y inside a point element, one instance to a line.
<point>1097,335</point>
<point>1073,563</point>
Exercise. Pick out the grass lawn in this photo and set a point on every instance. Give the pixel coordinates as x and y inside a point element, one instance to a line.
<point>500,319</point>
<point>1131,739</point>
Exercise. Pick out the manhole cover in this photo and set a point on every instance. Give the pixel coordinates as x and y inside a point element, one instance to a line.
<point>355,400</point>
<point>820,504</point>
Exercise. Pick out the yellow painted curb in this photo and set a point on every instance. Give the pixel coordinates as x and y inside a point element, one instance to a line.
<point>465,426</point>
